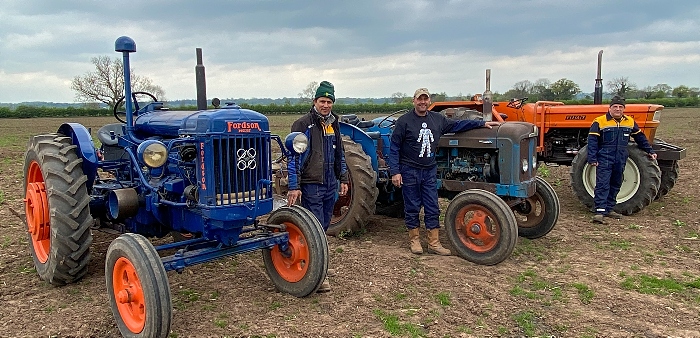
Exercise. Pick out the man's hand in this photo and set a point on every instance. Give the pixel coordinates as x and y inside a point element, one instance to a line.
<point>595,164</point>
<point>292,197</point>
<point>652,156</point>
<point>491,124</point>
<point>343,189</point>
<point>396,179</point>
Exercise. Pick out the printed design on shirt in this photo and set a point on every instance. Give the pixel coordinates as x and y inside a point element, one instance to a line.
<point>425,137</point>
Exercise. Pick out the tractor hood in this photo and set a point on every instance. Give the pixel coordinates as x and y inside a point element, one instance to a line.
<point>489,138</point>
<point>225,120</point>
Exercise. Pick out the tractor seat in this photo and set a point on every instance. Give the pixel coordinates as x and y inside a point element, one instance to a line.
<point>104,135</point>
<point>375,135</point>
<point>365,124</point>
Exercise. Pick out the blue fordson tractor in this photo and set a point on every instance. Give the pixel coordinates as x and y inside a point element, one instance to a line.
<point>488,174</point>
<point>206,174</point>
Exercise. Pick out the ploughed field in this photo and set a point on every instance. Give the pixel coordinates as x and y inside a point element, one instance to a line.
<point>637,277</point>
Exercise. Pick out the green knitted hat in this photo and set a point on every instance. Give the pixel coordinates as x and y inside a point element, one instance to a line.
<point>325,89</point>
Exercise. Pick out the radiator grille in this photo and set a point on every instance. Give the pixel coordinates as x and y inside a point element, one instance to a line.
<point>239,163</point>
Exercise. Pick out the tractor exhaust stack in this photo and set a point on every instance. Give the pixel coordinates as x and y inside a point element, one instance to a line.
<point>201,82</point>
<point>598,94</point>
<point>488,98</point>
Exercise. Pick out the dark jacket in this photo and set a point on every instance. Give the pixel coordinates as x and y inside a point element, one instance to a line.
<point>413,145</point>
<point>308,167</point>
<point>608,139</point>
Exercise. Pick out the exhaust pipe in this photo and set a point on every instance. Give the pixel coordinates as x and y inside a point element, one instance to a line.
<point>488,98</point>
<point>201,82</point>
<point>598,94</point>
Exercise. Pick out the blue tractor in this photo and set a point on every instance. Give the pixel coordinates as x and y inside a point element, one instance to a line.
<point>205,176</point>
<point>488,174</point>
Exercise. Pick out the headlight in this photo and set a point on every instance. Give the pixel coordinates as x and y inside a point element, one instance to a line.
<point>525,165</point>
<point>296,142</point>
<point>534,162</point>
<point>153,153</point>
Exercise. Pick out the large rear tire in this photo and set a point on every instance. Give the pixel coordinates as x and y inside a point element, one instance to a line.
<point>640,185</point>
<point>352,211</point>
<point>137,286</point>
<point>301,270</point>
<point>538,214</point>
<point>481,227</point>
<point>57,209</point>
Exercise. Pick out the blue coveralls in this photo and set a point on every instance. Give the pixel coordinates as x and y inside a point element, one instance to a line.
<point>320,198</point>
<point>607,145</point>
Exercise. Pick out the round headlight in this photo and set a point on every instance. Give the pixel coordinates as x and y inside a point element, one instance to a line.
<point>525,165</point>
<point>153,153</point>
<point>296,142</point>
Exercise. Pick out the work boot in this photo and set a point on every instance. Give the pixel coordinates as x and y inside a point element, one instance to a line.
<point>600,219</point>
<point>614,215</point>
<point>414,236</point>
<point>434,245</point>
<point>325,287</point>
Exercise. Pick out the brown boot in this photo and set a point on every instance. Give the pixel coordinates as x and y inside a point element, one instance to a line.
<point>414,236</point>
<point>434,245</point>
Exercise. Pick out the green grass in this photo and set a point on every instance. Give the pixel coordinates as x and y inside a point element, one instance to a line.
<point>443,298</point>
<point>658,286</point>
<point>526,322</point>
<point>585,294</point>
<point>395,327</point>
<point>679,223</point>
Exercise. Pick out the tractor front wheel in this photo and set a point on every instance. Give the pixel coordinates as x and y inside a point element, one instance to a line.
<point>538,214</point>
<point>481,227</point>
<point>56,203</point>
<point>352,211</point>
<point>137,286</point>
<point>640,182</point>
<point>301,268</point>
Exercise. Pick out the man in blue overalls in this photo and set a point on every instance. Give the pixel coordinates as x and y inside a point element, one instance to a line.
<point>314,175</point>
<point>607,151</point>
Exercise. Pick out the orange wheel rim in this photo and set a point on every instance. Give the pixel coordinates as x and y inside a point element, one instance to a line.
<point>36,207</point>
<point>477,228</point>
<point>128,295</point>
<point>294,267</point>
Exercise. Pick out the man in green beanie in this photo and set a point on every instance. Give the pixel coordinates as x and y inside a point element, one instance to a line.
<point>314,175</point>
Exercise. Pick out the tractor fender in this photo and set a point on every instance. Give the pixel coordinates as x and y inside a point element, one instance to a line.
<point>360,137</point>
<point>80,137</point>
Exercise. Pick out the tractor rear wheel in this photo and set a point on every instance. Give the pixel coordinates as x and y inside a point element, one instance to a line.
<point>137,286</point>
<point>481,227</point>
<point>538,214</point>
<point>352,211</point>
<point>640,185</point>
<point>300,270</point>
<point>57,209</point>
<point>669,175</point>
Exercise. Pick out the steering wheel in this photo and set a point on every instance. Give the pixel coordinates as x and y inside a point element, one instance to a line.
<point>118,113</point>
<point>392,122</point>
<point>516,103</point>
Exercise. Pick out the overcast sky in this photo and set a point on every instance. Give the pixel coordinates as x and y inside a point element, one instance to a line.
<point>260,48</point>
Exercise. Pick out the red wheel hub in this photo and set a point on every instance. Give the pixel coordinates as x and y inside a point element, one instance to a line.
<point>36,207</point>
<point>128,294</point>
<point>477,228</point>
<point>292,268</point>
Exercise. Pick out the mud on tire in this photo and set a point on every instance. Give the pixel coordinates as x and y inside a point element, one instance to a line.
<point>640,185</point>
<point>57,209</point>
<point>352,211</point>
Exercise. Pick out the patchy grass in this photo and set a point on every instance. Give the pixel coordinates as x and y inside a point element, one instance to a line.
<point>395,327</point>
<point>653,285</point>
<point>585,294</point>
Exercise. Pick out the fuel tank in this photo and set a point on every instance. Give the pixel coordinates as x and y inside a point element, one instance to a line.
<point>170,124</point>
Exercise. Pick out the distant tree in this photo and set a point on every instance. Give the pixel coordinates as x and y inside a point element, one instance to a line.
<point>681,91</point>
<point>541,90</point>
<point>106,83</point>
<point>399,97</point>
<point>439,97</point>
<point>621,86</point>
<point>662,90</point>
<point>307,95</point>
<point>521,89</point>
<point>564,89</point>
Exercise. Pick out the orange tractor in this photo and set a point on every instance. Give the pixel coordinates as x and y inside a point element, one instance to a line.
<point>563,133</point>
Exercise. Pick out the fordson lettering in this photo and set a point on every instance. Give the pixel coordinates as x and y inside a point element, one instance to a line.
<point>202,168</point>
<point>575,117</point>
<point>243,127</point>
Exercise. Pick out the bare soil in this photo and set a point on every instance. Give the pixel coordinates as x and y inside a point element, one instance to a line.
<point>637,277</point>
